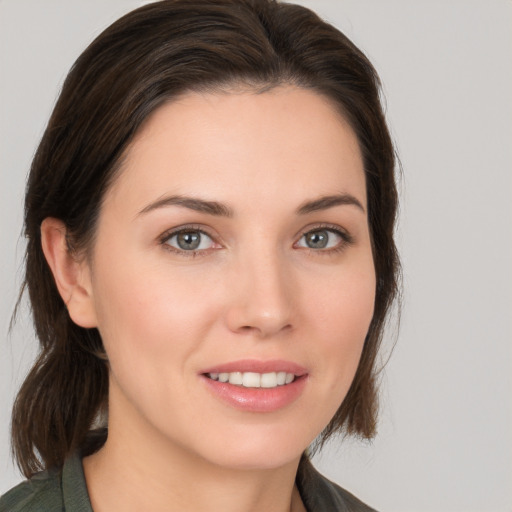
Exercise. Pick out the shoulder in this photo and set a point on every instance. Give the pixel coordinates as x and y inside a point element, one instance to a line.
<point>42,493</point>
<point>321,495</point>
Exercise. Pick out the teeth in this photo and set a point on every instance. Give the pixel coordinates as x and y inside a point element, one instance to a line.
<point>236,378</point>
<point>254,380</point>
<point>269,380</point>
<point>281,378</point>
<point>251,380</point>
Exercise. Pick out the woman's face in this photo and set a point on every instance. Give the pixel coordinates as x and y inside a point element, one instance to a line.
<point>234,245</point>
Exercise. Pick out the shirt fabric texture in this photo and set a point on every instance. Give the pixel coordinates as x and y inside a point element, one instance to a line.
<point>66,491</point>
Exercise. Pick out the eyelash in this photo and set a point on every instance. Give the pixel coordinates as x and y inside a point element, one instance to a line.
<point>346,238</point>
<point>165,237</point>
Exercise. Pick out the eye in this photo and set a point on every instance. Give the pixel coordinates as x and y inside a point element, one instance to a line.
<point>189,240</point>
<point>322,238</point>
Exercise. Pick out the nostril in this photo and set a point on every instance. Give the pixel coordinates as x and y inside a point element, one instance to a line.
<point>259,316</point>
<point>263,330</point>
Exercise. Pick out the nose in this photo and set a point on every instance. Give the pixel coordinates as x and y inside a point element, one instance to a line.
<point>261,296</point>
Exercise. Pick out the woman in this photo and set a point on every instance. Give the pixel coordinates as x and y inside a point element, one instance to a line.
<point>210,262</point>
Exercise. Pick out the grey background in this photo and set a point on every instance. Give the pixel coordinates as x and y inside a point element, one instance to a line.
<point>445,439</point>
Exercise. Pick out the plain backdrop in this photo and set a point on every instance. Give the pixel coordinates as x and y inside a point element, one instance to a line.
<point>445,437</point>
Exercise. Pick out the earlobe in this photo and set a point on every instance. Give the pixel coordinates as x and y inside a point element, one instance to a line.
<point>71,275</point>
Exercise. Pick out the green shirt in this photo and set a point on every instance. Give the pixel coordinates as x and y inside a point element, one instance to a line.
<point>51,491</point>
<point>66,491</point>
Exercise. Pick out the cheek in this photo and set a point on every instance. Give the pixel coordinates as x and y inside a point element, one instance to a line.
<point>346,303</point>
<point>339,316</point>
<point>150,315</point>
<point>343,314</point>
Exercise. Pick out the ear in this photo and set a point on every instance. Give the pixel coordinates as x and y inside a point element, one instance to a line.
<point>72,275</point>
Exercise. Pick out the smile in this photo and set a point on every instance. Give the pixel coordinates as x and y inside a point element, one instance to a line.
<point>256,386</point>
<point>253,379</point>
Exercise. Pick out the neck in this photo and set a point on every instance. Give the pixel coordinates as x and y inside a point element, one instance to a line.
<point>139,470</point>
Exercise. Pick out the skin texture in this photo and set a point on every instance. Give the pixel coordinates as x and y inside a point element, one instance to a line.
<point>254,290</point>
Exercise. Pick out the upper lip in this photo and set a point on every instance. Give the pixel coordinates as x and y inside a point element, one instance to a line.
<point>258,366</point>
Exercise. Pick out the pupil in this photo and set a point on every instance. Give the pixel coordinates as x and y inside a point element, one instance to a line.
<point>317,239</point>
<point>189,240</point>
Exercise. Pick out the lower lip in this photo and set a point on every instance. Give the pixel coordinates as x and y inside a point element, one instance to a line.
<point>257,399</point>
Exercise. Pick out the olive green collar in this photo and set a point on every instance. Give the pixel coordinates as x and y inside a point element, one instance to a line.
<point>74,489</point>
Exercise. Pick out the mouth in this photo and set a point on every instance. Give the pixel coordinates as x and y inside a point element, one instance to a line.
<point>256,386</point>
<point>253,379</point>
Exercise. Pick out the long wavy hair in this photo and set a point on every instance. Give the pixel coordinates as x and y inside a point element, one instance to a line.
<point>147,58</point>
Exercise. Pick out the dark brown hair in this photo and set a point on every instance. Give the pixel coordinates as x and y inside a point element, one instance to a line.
<point>144,59</point>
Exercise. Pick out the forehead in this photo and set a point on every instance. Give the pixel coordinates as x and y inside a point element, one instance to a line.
<point>281,144</point>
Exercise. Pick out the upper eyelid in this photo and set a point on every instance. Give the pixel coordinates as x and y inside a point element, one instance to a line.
<point>191,227</point>
<point>328,227</point>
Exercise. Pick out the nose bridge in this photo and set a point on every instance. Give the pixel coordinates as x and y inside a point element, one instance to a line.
<point>262,299</point>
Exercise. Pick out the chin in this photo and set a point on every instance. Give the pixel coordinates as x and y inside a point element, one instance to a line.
<point>255,460</point>
<point>262,448</point>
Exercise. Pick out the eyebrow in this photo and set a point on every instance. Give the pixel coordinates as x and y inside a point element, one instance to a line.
<point>221,210</point>
<point>198,205</point>
<point>327,202</point>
